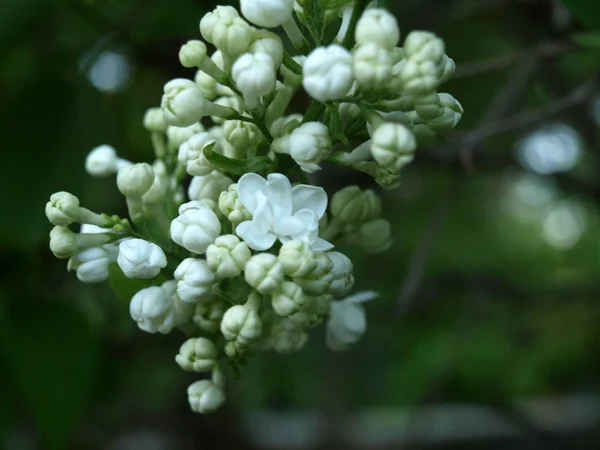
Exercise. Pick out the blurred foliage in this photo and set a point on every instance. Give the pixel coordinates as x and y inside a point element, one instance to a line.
<point>500,312</point>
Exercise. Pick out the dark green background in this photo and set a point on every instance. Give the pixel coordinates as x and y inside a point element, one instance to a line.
<point>498,314</point>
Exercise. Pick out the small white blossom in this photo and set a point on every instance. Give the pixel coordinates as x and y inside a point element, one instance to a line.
<point>267,13</point>
<point>288,299</point>
<point>393,145</point>
<point>191,154</point>
<point>194,279</point>
<point>298,258</point>
<point>135,180</point>
<point>140,259</point>
<point>205,396</point>
<point>224,28</point>
<point>379,27</point>
<point>197,355</point>
<point>343,279</point>
<point>309,144</point>
<point>103,161</point>
<point>208,314</point>
<point>209,186</point>
<point>264,273</point>
<point>286,337</point>
<point>347,321</point>
<point>241,324</point>
<point>328,73</point>
<point>254,75</point>
<point>228,256</point>
<point>196,227</point>
<point>280,212</point>
<point>91,265</point>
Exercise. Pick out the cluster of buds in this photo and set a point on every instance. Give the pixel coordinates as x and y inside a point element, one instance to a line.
<point>244,261</point>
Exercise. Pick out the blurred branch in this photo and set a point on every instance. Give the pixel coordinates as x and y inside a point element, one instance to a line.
<point>544,50</point>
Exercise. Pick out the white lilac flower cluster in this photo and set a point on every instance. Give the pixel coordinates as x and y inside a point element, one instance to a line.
<point>246,262</point>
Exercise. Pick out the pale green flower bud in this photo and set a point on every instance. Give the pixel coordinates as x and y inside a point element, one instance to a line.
<point>231,206</point>
<point>205,396</point>
<point>418,78</point>
<point>242,135</point>
<point>286,337</point>
<point>191,154</point>
<point>197,355</point>
<point>269,43</point>
<point>178,135</point>
<point>228,256</point>
<point>377,26</point>
<point>210,20</point>
<point>298,258</point>
<point>241,324</point>
<point>160,186</point>
<point>421,46</point>
<point>448,66</point>
<point>318,281</point>
<point>351,205</point>
<point>309,144</point>
<point>284,125</point>
<point>154,121</point>
<point>288,299</point>
<point>375,236</point>
<point>451,115</point>
<point>209,313</point>
<point>192,53</point>
<point>62,209</point>
<point>393,145</point>
<point>372,66</point>
<point>306,316</point>
<point>207,84</point>
<point>135,180</point>
<point>343,279</point>
<point>428,106</point>
<point>183,103</point>
<point>64,243</point>
<point>264,273</point>
<point>209,186</point>
<point>227,31</point>
<point>387,177</point>
<point>194,279</point>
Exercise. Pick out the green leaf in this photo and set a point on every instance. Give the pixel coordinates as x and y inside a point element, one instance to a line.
<point>124,287</point>
<point>258,164</point>
<point>53,359</point>
<point>591,39</point>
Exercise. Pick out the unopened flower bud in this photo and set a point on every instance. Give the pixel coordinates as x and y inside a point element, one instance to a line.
<point>208,314</point>
<point>135,180</point>
<point>240,134</point>
<point>267,13</point>
<point>241,324</point>
<point>375,236</point>
<point>207,84</point>
<point>309,144</point>
<point>451,115</point>
<point>351,205</point>
<point>192,53</point>
<point>318,281</point>
<point>328,73</point>
<point>210,20</point>
<point>286,337</point>
<point>343,279</point>
<point>62,209</point>
<point>372,66</point>
<point>231,206</point>
<point>195,228</point>
<point>154,121</point>
<point>209,186</point>
<point>379,27</point>
<point>393,145</point>
<point>264,273</point>
<point>269,43</point>
<point>103,161</point>
<point>254,75</point>
<point>91,265</point>
<point>227,31</point>
<point>306,316</point>
<point>183,103</point>
<point>140,259</point>
<point>424,46</point>
<point>448,66</point>
<point>153,310</point>
<point>297,258</point>
<point>228,256</point>
<point>64,243</point>
<point>178,135</point>
<point>197,355</point>
<point>284,125</point>
<point>205,396</point>
<point>194,279</point>
<point>191,154</point>
<point>288,299</point>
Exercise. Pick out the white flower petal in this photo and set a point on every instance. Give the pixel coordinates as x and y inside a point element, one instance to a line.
<point>321,245</point>
<point>361,297</point>
<point>248,185</point>
<point>263,216</point>
<point>256,238</point>
<point>309,197</point>
<point>288,226</point>
<point>279,192</point>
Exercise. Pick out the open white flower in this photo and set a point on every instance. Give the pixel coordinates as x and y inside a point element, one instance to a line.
<point>347,321</point>
<point>280,211</point>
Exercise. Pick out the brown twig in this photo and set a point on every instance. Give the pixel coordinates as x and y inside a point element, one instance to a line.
<point>544,50</point>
